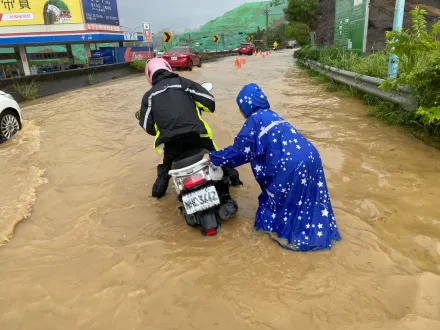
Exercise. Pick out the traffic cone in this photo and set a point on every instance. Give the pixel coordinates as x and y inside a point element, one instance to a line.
<point>243,61</point>
<point>262,56</point>
<point>237,63</point>
<point>267,53</point>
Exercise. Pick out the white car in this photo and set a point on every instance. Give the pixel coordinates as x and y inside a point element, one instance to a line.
<point>10,117</point>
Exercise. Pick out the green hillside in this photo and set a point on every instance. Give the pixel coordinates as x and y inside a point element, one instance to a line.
<point>244,19</point>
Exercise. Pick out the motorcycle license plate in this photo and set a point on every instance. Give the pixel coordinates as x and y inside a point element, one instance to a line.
<point>173,58</point>
<point>200,200</point>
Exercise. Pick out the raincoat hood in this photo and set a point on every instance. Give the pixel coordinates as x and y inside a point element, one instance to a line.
<point>251,99</point>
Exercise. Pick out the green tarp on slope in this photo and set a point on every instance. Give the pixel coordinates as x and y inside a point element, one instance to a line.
<point>246,18</point>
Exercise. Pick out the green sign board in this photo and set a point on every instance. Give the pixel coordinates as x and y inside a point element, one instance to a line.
<point>351,24</point>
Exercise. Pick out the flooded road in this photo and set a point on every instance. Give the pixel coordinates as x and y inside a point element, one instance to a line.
<point>97,252</point>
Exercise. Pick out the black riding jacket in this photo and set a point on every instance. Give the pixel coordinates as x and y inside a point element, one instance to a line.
<point>170,109</point>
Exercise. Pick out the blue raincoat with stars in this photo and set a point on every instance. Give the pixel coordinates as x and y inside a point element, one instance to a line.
<point>294,203</point>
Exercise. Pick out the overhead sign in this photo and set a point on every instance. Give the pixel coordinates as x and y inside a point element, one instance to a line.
<point>351,24</point>
<point>130,36</point>
<point>250,38</point>
<point>100,11</point>
<point>147,32</point>
<point>40,12</point>
<point>215,38</point>
<point>167,37</point>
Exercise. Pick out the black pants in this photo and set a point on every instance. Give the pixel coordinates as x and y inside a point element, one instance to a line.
<point>173,150</point>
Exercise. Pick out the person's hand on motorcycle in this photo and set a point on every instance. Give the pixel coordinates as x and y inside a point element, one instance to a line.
<point>206,157</point>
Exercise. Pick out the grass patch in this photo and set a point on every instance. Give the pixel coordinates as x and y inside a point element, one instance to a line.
<point>138,65</point>
<point>27,90</point>
<point>91,79</point>
<point>116,76</point>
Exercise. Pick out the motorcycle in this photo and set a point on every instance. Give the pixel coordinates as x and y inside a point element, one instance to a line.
<point>203,190</point>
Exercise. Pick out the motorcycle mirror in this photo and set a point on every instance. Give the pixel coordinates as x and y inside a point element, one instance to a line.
<point>208,86</point>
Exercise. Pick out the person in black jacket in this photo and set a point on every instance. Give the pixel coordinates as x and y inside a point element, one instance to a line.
<point>171,111</point>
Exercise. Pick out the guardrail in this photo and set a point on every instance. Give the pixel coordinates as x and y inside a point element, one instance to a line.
<point>403,96</point>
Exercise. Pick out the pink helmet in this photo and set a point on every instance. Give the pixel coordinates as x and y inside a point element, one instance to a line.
<point>154,65</point>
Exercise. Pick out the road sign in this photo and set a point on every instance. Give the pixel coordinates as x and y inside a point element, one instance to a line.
<point>351,24</point>
<point>250,38</point>
<point>130,36</point>
<point>167,37</point>
<point>216,38</point>
<point>147,31</point>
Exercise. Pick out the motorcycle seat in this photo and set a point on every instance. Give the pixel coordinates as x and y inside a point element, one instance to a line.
<point>188,158</point>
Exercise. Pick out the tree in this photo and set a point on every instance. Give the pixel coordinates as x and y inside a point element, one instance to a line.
<point>277,34</point>
<point>303,11</point>
<point>299,32</point>
<point>275,3</point>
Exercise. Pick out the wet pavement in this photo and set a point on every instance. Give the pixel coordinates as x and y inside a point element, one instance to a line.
<point>95,251</point>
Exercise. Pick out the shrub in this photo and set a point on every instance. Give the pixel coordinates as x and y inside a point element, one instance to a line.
<point>27,90</point>
<point>139,65</point>
<point>91,79</point>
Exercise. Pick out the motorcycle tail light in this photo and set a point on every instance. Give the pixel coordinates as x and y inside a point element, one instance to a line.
<point>211,232</point>
<point>193,180</point>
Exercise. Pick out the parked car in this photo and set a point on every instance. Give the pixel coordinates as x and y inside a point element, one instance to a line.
<point>247,48</point>
<point>182,57</point>
<point>291,44</point>
<point>10,116</point>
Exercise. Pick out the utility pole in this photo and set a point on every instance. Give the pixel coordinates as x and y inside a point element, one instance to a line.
<point>393,63</point>
<point>266,12</point>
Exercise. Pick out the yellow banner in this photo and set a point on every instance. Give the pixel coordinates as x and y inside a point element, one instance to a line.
<point>40,12</point>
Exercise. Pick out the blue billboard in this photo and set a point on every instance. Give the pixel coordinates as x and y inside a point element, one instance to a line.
<point>101,12</point>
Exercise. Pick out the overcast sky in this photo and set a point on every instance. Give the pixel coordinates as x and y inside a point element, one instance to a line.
<point>174,14</point>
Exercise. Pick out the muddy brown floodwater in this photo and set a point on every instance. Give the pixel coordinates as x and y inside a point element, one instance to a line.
<point>95,251</point>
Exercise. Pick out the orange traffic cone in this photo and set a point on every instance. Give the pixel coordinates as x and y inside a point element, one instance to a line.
<point>237,63</point>
<point>262,56</point>
<point>267,53</point>
<point>243,61</point>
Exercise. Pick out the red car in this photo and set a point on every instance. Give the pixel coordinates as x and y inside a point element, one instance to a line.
<point>247,48</point>
<point>182,57</point>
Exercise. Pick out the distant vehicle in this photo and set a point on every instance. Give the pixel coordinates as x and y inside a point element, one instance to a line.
<point>247,48</point>
<point>46,69</point>
<point>10,117</point>
<point>113,55</point>
<point>291,44</point>
<point>75,66</point>
<point>182,57</point>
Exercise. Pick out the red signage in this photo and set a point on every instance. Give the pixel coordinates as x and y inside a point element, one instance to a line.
<point>130,56</point>
<point>102,27</point>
